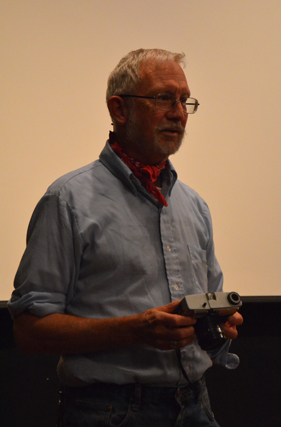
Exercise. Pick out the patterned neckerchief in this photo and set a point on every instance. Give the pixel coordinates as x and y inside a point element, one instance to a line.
<point>146,174</point>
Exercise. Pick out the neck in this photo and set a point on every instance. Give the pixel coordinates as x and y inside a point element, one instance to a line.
<point>158,182</point>
<point>150,159</point>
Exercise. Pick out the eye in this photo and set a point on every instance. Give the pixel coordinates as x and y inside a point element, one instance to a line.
<point>164,97</point>
<point>184,99</point>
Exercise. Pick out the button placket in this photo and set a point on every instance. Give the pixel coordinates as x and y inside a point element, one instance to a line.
<point>172,264</point>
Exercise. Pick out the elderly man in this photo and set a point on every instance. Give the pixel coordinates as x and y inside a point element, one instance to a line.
<point>111,249</point>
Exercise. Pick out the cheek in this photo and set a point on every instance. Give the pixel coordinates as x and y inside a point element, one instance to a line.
<point>157,121</point>
<point>151,125</point>
<point>149,122</point>
<point>184,121</point>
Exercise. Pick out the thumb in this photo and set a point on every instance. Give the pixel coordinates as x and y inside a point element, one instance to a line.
<point>169,308</point>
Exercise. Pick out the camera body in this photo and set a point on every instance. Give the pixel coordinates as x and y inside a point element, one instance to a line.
<point>210,310</point>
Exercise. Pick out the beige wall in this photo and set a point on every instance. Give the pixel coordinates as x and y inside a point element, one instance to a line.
<point>57,55</point>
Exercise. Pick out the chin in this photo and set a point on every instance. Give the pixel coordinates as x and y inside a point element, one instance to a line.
<point>168,148</point>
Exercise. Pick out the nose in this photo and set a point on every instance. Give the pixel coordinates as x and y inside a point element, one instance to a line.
<point>177,111</point>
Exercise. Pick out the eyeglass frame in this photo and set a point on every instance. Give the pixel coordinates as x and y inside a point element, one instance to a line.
<point>196,104</point>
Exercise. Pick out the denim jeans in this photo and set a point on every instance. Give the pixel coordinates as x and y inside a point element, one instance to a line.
<point>135,405</point>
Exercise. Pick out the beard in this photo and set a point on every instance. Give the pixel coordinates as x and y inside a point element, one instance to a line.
<point>166,144</point>
<point>159,145</point>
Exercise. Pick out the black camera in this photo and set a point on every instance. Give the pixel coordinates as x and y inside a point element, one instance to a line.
<point>210,310</point>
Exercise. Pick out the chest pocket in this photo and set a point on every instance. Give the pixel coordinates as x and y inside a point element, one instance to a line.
<point>199,268</point>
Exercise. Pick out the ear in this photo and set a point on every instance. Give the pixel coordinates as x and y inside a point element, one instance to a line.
<point>117,109</point>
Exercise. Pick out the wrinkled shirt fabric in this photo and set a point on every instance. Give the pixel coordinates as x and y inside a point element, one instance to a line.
<point>100,246</point>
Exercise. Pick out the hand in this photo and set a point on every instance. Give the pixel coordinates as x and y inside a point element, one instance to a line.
<point>162,329</point>
<point>66,334</point>
<point>229,327</point>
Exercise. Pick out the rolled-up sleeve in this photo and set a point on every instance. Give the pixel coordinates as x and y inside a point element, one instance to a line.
<point>47,271</point>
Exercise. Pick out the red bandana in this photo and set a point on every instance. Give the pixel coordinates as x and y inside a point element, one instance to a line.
<point>146,174</point>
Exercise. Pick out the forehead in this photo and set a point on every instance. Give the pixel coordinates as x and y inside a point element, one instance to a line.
<point>163,76</point>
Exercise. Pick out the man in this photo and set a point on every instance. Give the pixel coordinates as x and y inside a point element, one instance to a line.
<point>110,242</point>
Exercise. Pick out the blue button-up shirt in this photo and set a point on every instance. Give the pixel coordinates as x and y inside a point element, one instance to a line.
<point>100,246</point>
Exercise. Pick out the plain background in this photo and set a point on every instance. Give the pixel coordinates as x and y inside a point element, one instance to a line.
<point>56,58</point>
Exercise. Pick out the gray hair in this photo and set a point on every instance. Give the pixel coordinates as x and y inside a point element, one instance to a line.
<point>125,77</point>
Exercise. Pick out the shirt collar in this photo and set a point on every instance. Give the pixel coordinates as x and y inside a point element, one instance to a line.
<point>118,168</point>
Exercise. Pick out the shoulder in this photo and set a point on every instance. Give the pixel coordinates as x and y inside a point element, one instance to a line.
<point>73,178</point>
<point>66,192</point>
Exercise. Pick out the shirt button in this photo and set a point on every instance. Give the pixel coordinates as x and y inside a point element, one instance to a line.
<point>187,369</point>
<point>176,287</point>
<point>169,248</point>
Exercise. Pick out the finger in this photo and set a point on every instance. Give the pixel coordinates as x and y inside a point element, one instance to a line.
<point>169,308</point>
<point>181,343</point>
<point>235,319</point>
<point>161,336</point>
<point>169,320</point>
<point>186,341</point>
<point>179,334</point>
<point>174,344</point>
<point>230,332</point>
<point>178,321</point>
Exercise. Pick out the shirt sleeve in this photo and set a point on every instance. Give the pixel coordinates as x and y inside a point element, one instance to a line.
<point>48,269</point>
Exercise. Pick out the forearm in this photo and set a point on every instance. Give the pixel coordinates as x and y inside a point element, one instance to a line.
<point>66,334</point>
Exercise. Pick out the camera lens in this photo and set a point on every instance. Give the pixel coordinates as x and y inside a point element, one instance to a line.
<point>233,298</point>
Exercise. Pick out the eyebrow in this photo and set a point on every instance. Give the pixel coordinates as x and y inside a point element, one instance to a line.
<point>171,92</point>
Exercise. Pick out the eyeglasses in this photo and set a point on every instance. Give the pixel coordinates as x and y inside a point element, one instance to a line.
<point>166,102</point>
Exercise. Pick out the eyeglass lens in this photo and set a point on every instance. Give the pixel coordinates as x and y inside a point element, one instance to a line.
<point>166,102</point>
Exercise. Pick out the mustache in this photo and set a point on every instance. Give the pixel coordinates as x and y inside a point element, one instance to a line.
<point>172,127</point>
